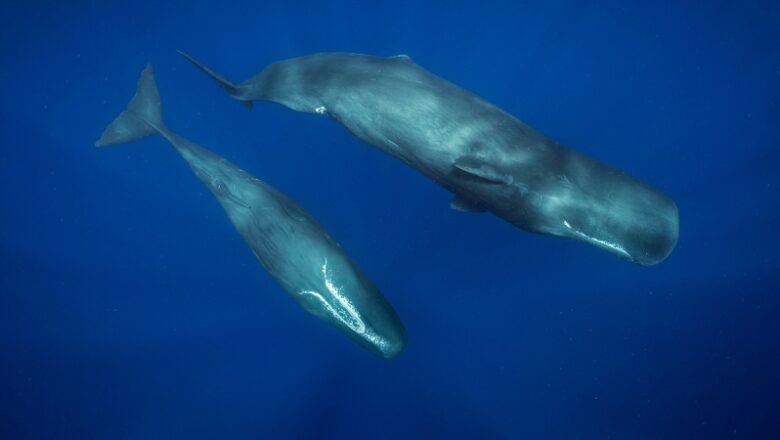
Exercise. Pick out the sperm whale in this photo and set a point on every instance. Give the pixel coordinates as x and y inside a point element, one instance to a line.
<point>298,253</point>
<point>487,158</point>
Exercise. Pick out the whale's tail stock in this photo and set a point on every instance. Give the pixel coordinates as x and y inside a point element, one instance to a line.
<point>231,88</point>
<point>141,118</point>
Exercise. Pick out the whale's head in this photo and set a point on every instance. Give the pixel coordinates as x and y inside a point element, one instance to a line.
<point>640,236</point>
<point>344,297</point>
<point>612,211</point>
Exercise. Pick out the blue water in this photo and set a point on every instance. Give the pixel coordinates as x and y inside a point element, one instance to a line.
<point>131,309</point>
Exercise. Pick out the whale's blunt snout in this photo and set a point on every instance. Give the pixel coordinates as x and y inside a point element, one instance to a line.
<point>393,344</point>
<point>659,240</point>
<point>648,238</point>
<point>642,228</point>
<point>388,336</point>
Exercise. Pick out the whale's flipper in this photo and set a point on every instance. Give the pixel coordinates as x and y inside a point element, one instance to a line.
<point>231,88</point>
<point>479,169</point>
<point>460,204</point>
<point>143,116</point>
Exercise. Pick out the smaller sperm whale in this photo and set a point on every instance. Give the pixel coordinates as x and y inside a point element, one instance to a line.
<point>288,242</point>
<point>487,158</point>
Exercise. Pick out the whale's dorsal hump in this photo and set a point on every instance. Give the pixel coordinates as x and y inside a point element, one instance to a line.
<point>401,57</point>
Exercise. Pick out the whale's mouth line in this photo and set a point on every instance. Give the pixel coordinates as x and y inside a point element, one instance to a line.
<point>598,242</point>
<point>343,310</point>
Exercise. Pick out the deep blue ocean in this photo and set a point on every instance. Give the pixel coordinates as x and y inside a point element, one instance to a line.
<point>130,308</point>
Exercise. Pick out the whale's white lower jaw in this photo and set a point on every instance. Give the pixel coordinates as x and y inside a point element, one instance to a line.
<point>604,244</point>
<point>645,249</point>
<point>636,255</point>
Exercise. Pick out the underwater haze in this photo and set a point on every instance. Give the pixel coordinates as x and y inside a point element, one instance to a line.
<point>130,308</point>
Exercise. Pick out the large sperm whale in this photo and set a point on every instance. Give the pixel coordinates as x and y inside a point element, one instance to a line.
<point>288,242</point>
<point>488,159</point>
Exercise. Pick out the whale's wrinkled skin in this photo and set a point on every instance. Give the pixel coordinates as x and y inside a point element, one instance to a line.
<point>287,241</point>
<point>488,159</point>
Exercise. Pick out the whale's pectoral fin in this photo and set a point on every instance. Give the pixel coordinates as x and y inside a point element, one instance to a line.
<point>463,205</point>
<point>479,169</point>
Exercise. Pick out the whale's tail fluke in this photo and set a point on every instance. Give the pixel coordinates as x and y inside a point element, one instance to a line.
<point>143,116</point>
<point>231,88</point>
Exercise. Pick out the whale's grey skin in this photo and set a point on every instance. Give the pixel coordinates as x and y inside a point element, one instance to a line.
<point>489,159</point>
<point>288,242</point>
